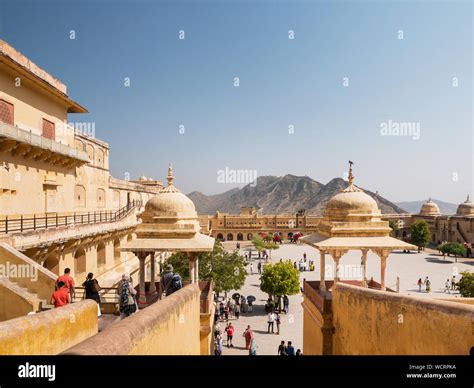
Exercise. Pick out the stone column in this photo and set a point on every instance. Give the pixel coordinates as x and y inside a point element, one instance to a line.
<point>336,256</point>
<point>383,265</point>
<point>364,267</point>
<point>142,296</point>
<point>152,274</point>
<point>322,269</point>
<point>192,267</point>
<point>196,269</point>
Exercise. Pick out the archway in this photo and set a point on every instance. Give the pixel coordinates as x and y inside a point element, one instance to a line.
<point>220,237</point>
<point>250,236</point>
<point>52,263</point>
<point>79,262</point>
<point>230,237</point>
<point>240,237</point>
<point>100,254</point>
<point>117,254</point>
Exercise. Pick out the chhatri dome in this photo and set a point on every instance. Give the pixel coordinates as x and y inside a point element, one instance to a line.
<point>430,208</point>
<point>351,204</point>
<point>169,214</point>
<point>466,208</point>
<point>170,200</point>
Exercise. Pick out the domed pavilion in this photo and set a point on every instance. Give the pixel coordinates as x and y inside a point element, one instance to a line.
<point>465,209</point>
<point>352,221</point>
<point>169,224</point>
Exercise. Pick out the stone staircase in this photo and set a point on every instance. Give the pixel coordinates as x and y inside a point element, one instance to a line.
<point>25,287</point>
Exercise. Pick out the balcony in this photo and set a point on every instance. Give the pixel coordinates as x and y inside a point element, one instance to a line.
<point>29,145</point>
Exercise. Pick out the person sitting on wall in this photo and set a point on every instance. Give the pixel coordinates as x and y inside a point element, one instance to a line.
<point>61,297</point>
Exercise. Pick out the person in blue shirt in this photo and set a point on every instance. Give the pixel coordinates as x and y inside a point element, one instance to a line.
<point>290,350</point>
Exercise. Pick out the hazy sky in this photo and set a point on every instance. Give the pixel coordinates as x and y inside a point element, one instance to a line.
<point>421,82</point>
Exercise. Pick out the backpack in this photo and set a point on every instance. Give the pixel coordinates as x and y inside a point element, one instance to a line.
<point>176,282</point>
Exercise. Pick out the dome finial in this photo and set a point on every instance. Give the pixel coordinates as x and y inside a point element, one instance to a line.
<point>351,177</point>
<point>467,199</point>
<point>170,176</point>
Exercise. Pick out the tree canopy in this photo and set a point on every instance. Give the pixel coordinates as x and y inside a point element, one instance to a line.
<point>279,279</point>
<point>453,248</point>
<point>420,233</point>
<point>466,284</point>
<point>225,269</point>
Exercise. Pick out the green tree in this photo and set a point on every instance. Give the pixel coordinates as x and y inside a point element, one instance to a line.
<point>265,243</point>
<point>420,234</point>
<point>225,269</point>
<point>394,226</point>
<point>280,279</point>
<point>453,248</point>
<point>466,284</point>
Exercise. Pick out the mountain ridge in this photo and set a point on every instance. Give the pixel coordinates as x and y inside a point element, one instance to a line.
<point>278,195</point>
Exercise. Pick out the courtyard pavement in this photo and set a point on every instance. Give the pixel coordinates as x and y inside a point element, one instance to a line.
<point>408,266</point>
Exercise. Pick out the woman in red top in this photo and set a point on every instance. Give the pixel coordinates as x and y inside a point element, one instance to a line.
<point>61,297</point>
<point>230,334</point>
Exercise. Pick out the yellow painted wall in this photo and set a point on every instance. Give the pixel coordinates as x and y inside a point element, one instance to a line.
<point>372,322</point>
<point>49,332</point>
<point>168,327</point>
<point>312,334</point>
<point>15,304</point>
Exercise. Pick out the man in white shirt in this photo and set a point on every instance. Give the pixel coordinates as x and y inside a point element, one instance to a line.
<point>271,320</point>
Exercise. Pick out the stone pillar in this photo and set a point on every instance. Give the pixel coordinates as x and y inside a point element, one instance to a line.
<point>152,274</point>
<point>364,267</point>
<point>322,269</point>
<point>383,265</point>
<point>196,269</point>
<point>142,296</point>
<point>336,256</point>
<point>192,272</point>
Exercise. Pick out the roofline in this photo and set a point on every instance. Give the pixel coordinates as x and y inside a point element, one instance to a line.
<point>21,64</point>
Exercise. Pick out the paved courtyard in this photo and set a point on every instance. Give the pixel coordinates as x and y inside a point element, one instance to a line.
<point>409,267</point>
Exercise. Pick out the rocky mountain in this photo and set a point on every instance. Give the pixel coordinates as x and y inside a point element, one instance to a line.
<point>278,195</point>
<point>415,206</point>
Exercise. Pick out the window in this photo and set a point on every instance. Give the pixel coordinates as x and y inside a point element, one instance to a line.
<point>48,129</point>
<point>6,112</point>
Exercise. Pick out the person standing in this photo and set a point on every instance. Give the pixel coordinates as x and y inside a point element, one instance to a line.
<point>453,283</point>
<point>126,292</point>
<point>68,282</point>
<point>230,334</point>
<point>61,297</point>
<point>447,286</point>
<point>253,348</point>
<point>304,256</point>
<point>251,268</point>
<point>282,349</point>
<point>278,321</point>
<point>259,267</point>
<point>270,320</point>
<point>419,283</point>
<point>286,304</point>
<point>290,350</point>
<point>248,335</point>
<point>237,310</point>
<point>428,284</point>
<point>219,346</point>
<point>92,289</point>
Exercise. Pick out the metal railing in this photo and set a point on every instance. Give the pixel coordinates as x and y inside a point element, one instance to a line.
<point>36,222</point>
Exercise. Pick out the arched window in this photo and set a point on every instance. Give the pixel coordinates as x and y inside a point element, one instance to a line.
<point>100,157</point>
<point>79,262</point>
<point>100,255</point>
<point>220,237</point>
<point>250,236</point>
<point>100,198</point>
<point>230,237</point>
<point>240,237</point>
<point>90,152</point>
<point>79,196</point>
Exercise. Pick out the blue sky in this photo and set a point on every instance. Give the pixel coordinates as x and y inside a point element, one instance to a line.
<point>283,82</point>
